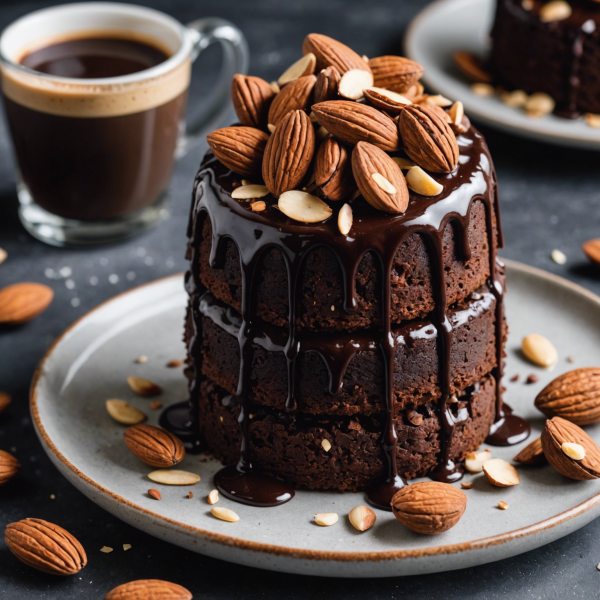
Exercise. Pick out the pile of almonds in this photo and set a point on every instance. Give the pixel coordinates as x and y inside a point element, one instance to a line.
<point>335,126</point>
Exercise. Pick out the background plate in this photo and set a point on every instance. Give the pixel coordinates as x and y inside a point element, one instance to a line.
<point>91,360</point>
<point>450,25</point>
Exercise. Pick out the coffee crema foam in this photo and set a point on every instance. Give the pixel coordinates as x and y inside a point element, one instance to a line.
<point>45,94</point>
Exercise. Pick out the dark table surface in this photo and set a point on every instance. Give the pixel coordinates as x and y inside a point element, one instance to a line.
<point>550,199</point>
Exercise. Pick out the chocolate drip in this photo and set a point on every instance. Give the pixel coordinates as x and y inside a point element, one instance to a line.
<point>372,231</point>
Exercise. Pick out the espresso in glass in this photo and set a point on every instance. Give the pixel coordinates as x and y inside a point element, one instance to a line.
<point>95,156</point>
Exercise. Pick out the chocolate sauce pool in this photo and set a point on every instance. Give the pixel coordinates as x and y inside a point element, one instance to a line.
<point>373,231</point>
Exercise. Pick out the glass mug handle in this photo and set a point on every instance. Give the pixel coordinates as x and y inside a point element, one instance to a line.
<point>235,60</point>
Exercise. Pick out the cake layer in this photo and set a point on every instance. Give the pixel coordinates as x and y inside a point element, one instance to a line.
<point>416,369</point>
<point>320,305</point>
<point>291,447</point>
<point>560,58</point>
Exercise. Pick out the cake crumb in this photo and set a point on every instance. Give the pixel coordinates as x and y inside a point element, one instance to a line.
<point>515,377</point>
<point>570,359</point>
<point>141,359</point>
<point>156,404</point>
<point>502,505</point>
<point>532,378</point>
<point>466,485</point>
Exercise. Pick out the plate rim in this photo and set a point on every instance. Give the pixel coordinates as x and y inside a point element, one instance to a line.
<point>528,129</point>
<point>299,553</point>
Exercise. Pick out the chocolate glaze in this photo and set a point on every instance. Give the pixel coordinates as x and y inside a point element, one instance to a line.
<point>373,231</point>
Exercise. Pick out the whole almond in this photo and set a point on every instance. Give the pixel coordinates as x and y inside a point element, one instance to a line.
<point>143,387</point>
<point>21,302</point>
<point>122,412</point>
<point>429,507</point>
<point>327,84</point>
<point>362,518</point>
<point>382,99</point>
<point>428,139</point>
<point>5,401</point>
<point>472,67</point>
<point>9,467</point>
<point>289,152</point>
<point>532,454</point>
<point>297,95</point>
<point>352,122</point>
<point>395,73</point>
<point>330,52</point>
<point>560,431</point>
<point>333,170</point>
<point>240,149</point>
<point>251,97</point>
<point>574,396</point>
<point>45,547</point>
<point>371,167</point>
<point>592,250</point>
<point>154,446</point>
<point>149,589</point>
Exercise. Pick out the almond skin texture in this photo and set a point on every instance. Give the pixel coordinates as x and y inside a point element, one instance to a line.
<point>429,507</point>
<point>326,86</point>
<point>240,149</point>
<point>154,446</point>
<point>367,161</point>
<point>559,431</point>
<point>532,454</point>
<point>45,547</point>
<point>21,302</point>
<point>352,122</point>
<point>9,467</point>
<point>333,170</point>
<point>592,250</point>
<point>395,73</point>
<point>330,52</point>
<point>296,95</point>
<point>289,153</point>
<point>251,97</point>
<point>428,139</point>
<point>149,589</point>
<point>5,401</point>
<point>574,396</point>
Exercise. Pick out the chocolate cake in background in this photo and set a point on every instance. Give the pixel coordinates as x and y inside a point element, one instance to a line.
<point>345,327</point>
<point>549,47</point>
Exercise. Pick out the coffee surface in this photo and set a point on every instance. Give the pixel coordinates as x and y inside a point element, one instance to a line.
<point>94,58</point>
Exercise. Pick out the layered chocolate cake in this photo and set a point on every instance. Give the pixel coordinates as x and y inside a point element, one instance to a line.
<point>345,327</point>
<point>549,47</point>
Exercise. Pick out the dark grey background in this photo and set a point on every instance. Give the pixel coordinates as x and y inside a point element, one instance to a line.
<point>550,199</point>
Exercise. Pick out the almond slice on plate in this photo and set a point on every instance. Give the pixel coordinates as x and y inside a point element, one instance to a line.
<point>474,460</point>
<point>326,519</point>
<point>362,518</point>
<point>225,514</point>
<point>174,477</point>
<point>122,412</point>
<point>303,207</point>
<point>501,473</point>
<point>143,387</point>
<point>539,350</point>
<point>303,66</point>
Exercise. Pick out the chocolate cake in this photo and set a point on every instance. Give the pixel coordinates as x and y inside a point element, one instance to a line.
<point>552,48</point>
<point>345,326</point>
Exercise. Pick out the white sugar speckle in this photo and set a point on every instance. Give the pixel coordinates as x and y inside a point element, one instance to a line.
<point>93,280</point>
<point>65,272</point>
<point>130,276</point>
<point>149,261</point>
<point>49,273</point>
<point>69,284</point>
<point>75,302</point>
<point>104,261</point>
<point>113,278</point>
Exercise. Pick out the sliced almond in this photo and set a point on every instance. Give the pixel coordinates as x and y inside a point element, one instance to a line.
<point>539,104</point>
<point>472,67</point>
<point>271,127</point>
<point>303,207</point>
<point>345,219</point>
<point>539,350</point>
<point>387,100</point>
<point>173,477</point>
<point>275,87</point>
<point>224,514</point>
<point>422,183</point>
<point>258,206</point>
<point>354,82</point>
<point>326,519</point>
<point>558,10</point>
<point>143,387</point>
<point>500,472</point>
<point>483,89</point>
<point>403,163</point>
<point>474,461</point>
<point>213,497</point>
<point>574,451</point>
<point>326,445</point>
<point>438,100</point>
<point>3,255</point>
<point>322,133</point>
<point>466,485</point>
<point>362,518</point>
<point>106,549</point>
<point>457,112</point>
<point>126,547</point>
<point>154,494</point>
<point>502,505</point>
<point>383,183</point>
<point>247,192</point>
<point>303,66</point>
<point>591,119</point>
<point>517,98</point>
<point>122,412</point>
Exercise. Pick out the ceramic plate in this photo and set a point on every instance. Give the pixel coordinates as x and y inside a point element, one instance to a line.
<point>91,361</point>
<point>450,25</point>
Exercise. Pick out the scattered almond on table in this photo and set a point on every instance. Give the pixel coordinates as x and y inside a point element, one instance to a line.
<point>149,589</point>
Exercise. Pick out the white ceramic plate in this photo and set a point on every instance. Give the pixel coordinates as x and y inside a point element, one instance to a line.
<point>449,25</point>
<point>90,362</point>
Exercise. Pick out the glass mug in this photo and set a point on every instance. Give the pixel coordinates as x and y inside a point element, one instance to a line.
<point>95,155</point>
